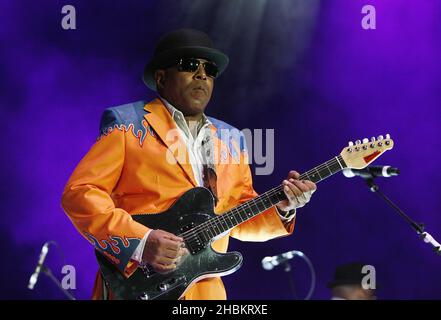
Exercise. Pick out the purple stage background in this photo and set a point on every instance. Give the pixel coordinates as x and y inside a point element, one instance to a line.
<point>305,68</point>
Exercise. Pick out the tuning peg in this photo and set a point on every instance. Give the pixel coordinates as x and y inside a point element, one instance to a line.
<point>365,140</point>
<point>380,137</point>
<point>373,139</point>
<point>351,143</point>
<point>358,142</point>
<point>388,136</point>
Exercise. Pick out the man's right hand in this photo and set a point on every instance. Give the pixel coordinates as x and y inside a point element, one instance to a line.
<point>163,251</point>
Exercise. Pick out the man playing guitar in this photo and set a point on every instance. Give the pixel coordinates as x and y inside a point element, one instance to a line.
<point>128,170</point>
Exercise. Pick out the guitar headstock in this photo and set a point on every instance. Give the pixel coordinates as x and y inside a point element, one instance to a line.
<point>363,153</point>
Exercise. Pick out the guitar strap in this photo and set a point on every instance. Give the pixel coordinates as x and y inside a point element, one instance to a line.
<point>105,290</point>
<point>209,175</point>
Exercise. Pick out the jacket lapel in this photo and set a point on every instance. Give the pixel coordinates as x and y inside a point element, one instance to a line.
<point>161,121</point>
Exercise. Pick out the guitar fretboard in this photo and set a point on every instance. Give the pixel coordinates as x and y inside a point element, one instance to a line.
<point>247,210</point>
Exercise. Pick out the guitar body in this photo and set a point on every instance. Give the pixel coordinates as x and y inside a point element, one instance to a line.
<point>193,208</point>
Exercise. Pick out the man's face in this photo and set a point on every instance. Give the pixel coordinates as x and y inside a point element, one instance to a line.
<point>189,92</point>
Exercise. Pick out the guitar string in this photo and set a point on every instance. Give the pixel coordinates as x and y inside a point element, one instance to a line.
<point>212,223</point>
<point>204,229</point>
<point>224,218</point>
<point>205,226</point>
<point>229,214</point>
<point>208,228</point>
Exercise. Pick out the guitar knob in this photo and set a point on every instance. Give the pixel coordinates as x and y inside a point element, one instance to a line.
<point>373,139</point>
<point>351,143</point>
<point>358,142</point>
<point>365,140</point>
<point>380,137</point>
<point>388,136</point>
<point>163,287</point>
<point>144,296</point>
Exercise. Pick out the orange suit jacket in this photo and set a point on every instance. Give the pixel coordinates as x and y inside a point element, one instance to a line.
<point>126,171</point>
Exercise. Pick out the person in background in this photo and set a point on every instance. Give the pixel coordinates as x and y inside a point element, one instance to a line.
<point>347,283</point>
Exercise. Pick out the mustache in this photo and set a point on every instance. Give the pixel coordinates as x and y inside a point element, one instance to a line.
<point>200,85</point>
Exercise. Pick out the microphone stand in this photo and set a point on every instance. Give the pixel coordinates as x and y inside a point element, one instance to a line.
<point>419,228</point>
<point>48,272</point>
<point>287,269</point>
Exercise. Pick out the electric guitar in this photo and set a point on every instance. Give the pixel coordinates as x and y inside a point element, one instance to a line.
<point>192,217</point>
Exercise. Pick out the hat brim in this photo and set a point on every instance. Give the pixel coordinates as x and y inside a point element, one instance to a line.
<point>347,282</point>
<point>342,283</point>
<point>168,57</point>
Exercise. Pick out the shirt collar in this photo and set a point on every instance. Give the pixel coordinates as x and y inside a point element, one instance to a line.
<point>177,115</point>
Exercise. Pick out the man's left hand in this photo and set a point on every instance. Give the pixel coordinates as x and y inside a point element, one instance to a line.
<point>297,191</point>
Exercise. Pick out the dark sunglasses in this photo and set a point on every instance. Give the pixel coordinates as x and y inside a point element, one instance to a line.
<point>192,65</point>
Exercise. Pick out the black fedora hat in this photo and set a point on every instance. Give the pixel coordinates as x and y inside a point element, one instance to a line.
<point>348,274</point>
<point>182,43</point>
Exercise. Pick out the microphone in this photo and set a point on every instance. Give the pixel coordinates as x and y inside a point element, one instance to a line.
<point>34,277</point>
<point>371,172</point>
<point>268,263</point>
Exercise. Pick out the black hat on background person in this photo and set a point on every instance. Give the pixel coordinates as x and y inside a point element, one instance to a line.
<point>347,283</point>
<point>347,274</point>
<point>182,43</point>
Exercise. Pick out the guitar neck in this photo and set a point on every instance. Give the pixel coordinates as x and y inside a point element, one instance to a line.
<point>266,200</point>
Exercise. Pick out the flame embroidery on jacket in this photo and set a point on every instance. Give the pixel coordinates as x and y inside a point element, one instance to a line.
<point>114,245</point>
<point>140,134</point>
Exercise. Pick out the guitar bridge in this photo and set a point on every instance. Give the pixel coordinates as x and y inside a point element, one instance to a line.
<point>148,272</point>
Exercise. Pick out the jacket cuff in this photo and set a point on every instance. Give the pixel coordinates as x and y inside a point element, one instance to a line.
<point>286,216</point>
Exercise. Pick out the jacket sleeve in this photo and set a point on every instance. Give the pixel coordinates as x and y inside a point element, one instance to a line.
<point>86,198</point>
<point>265,226</point>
